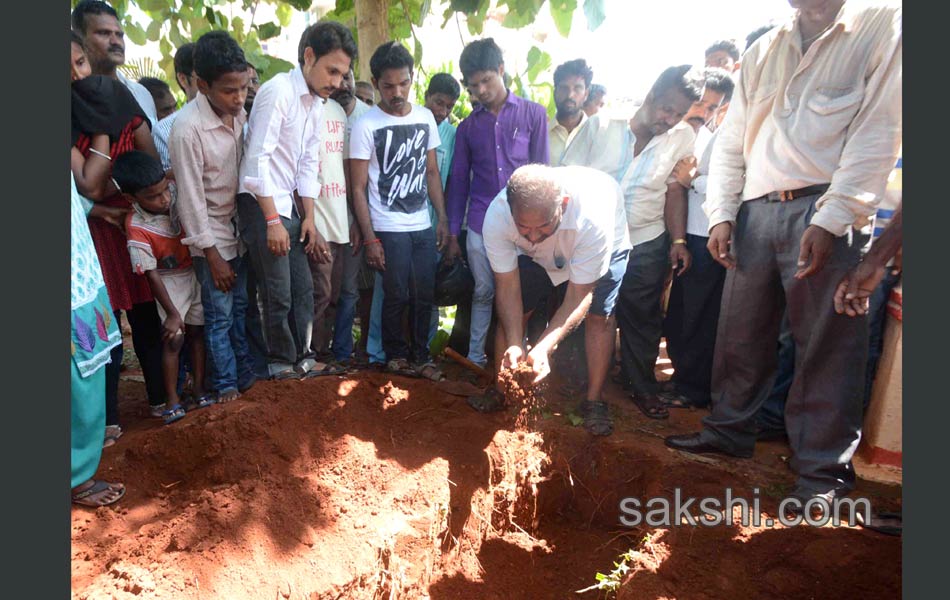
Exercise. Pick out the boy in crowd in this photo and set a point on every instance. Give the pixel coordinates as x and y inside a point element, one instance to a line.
<point>206,145</point>
<point>279,178</point>
<point>165,103</point>
<point>394,171</point>
<point>157,252</point>
<point>501,134</point>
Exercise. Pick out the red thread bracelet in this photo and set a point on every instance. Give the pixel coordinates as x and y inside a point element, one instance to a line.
<point>374,241</point>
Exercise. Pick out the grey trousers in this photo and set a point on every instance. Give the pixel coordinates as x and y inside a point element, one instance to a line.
<point>326,289</point>
<point>284,284</point>
<point>823,413</point>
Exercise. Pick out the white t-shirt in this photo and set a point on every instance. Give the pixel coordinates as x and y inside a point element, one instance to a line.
<point>396,149</point>
<point>330,205</point>
<point>592,228</point>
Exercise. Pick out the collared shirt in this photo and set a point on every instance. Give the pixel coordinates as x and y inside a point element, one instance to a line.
<point>282,150</point>
<point>830,116</point>
<point>696,221</point>
<point>580,248</point>
<point>643,178</point>
<point>160,134</point>
<point>142,96</point>
<point>330,207</point>
<point>487,152</point>
<point>569,148</point>
<point>155,243</point>
<point>205,154</point>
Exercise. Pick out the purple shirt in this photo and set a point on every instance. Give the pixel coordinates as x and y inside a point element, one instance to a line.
<point>487,152</point>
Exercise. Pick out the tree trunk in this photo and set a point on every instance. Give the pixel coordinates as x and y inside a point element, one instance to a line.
<point>372,25</point>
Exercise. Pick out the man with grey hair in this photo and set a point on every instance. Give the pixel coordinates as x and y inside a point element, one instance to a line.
<point>557,230</point>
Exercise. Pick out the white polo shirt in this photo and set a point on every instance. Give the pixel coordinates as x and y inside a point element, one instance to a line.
<point>592,228</point>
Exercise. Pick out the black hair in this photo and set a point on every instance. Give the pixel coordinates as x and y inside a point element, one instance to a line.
<point>216,54</point>
<point>754,35</point>
<point>480,55</point>
<point>574,68</point>
<point>390,55</point>
<point>728,46</point>
<point>323,37</point>
<point>75,38</point>
<point>134,171</point>
<point>719,80</point>
<point>185,59</point>
<point>682,78</point>
<point>155,86</point>
<point>444,83</point>
<point>90,7</point>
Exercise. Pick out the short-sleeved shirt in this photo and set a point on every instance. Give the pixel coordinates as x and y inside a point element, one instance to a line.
<point>592,228</point>
<point>155,243</point>
<point>330,206</point>
<point>360,108</point>
<point>396,149</point>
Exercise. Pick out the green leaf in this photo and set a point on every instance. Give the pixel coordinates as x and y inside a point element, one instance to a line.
<point>538,62</point>
<point>575,421</point>
<point>277,65</point>
<point>267,31</point>
<point>594,11</point>
<point>176,36</point>
<point>154,30</point>
<point>135,33</point>
<point>299,4</point>
<point>562,11</point>
<point>284,14</point>
<point>417,53</point>
<point>466,6</point>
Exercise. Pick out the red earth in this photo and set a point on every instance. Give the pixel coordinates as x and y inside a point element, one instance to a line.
<point>375,486</point>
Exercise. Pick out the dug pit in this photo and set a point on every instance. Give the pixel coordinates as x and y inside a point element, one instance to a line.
<point>385,487</point>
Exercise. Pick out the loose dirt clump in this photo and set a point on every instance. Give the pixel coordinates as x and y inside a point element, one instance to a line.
<point>522,393</point>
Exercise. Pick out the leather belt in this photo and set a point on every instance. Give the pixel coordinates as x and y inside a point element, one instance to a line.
<point>786,195</point>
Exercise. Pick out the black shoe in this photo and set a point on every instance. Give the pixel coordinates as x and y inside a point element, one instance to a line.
<point>693,442</point>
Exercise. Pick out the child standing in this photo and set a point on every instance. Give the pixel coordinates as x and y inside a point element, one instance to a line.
<point>157,252</point>
<point>206,144</point>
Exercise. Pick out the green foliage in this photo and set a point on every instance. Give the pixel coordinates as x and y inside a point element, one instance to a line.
<point>609,583</point>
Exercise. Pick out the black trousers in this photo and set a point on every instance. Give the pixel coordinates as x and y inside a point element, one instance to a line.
<point>691,319</point>
<point>640,314</point>
<point>147,341</point>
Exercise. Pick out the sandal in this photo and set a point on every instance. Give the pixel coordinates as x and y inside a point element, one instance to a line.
<point>650,405</point>
<point>98,493</point>
<point>201,401</point>
<point>285,374</point>
<point>326,369</point>
<point>113,433</point>
<point>401,366</point>
<point>175,413</point>
<point>429,370</point>
<point>490,401</point>
<point>157,410</point>
<point>597,419</point>
<point>673,399</point>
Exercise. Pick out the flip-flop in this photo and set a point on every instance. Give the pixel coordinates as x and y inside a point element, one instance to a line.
<point>87,497</point>
<point>657,411</point>
<point>112,435</point>
<point>671,399</point>
<point>202,401</point>
<point>285,374</point>
<point>328,369</point>
<point>490,401</point>
<point>434,374</point>
<point>175,413</point>
<point>401,366</point>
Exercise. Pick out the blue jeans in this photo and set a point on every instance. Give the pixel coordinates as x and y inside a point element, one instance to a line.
<point>482,298</point>
<point>232,367</point>
<point>408,282</point>
<point>346,304</point>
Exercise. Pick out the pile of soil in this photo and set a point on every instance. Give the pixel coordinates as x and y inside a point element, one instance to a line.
<point>385,487</point>
<point>522,394</point>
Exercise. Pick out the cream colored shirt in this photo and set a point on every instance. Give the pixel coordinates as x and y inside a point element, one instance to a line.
<point>330,206</point>
<point>206,155</point>
<point>568,148</point>
<point>643,178</point>
<point>831,116</point>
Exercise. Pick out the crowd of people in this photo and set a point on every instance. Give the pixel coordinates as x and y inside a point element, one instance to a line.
<point>728,212</point>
